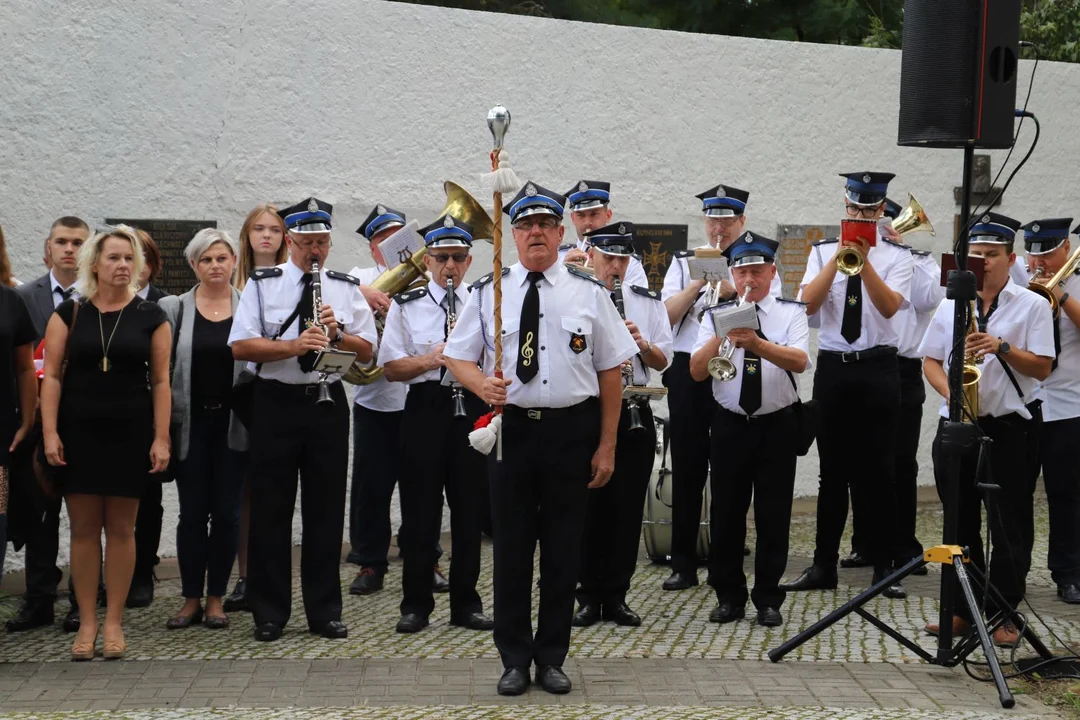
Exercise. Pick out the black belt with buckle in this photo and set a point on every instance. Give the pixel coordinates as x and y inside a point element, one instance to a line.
<point>516,412</point>
<point>211,405</point>
<point>860,355</point>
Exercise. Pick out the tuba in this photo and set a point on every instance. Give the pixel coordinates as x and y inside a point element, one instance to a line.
<point>411,271</point>
<point>1046,290</point>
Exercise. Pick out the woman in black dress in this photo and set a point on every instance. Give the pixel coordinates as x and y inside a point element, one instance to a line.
<point>107,427</point>
<point>18,382</point>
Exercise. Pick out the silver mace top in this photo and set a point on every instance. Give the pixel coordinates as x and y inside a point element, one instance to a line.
<point>498,120</point>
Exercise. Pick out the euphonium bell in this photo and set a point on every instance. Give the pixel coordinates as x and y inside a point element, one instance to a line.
<point>913,219</point>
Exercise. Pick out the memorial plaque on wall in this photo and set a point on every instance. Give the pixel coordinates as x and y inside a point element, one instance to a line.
<point>795,243</point>
<point>657,244</point>
<point>172,236</point>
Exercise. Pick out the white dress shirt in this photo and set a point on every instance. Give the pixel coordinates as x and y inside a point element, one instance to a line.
<point>926,294</point>
<point>893,264</point>
<point>1061,391</point>
<point>1019,272</point>
<point>675,281</point>
<point>416,326</point>
<point>58,290</point>
<point>571,307</point>
<point>650,316</point>
<point>280,296</point>
<point>379,395</point>
<point>635,271</point>
<point>783,322</point>
<point>1021,319</point>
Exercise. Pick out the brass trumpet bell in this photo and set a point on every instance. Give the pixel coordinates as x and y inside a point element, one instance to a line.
<point>722,369</point>
<point>850,261</point>
<point>467,209</point>
<point>913,219</point>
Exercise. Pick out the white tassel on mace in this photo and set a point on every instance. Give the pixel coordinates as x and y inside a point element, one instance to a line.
<point>484,437</point>
<point>504,180</point>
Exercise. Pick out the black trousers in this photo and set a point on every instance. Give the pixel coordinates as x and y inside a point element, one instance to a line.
<point>1061,476</point>
<point>1012,514</point>
<point>290,435</point>
<point>756,460</point>
<point>908,430</point>
<point>374,474</point>
<point>692,408</point>
<point>539,492</point>
<point>148,532</point>
<point>444,461</point>
<point>613,519</point>
<point>860,406</point>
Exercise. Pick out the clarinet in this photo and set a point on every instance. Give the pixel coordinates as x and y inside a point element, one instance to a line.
<point>628,366</point>
<point>316,300</point>
<point>451,321</point>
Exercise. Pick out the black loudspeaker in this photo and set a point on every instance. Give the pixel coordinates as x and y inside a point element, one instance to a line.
<point>958,73</point>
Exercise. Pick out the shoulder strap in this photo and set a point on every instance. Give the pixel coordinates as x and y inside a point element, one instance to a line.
<point>1012,378</point>
<point>67,344</point>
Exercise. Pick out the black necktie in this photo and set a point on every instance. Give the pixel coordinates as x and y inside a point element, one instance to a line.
<point>851,325</point>
<point>750,394</point>
<point>65,294</point>
<point>306,315</point>
<point>528,361</point>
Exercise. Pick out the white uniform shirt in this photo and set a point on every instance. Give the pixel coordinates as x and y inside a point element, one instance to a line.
<point>893,264</point>
<point>1021,319</point>
<point>1061,391</point>
<point>926,294</point>
<point>650,316</point>
<point>635,271</point>
<point>675,281</point>
<point>1019,272</point>
<point>570,308</point>
<point>783,322</point>
<point>380,395</point>
<point>416,326</point>
<point>58,290</point>
<point>280,296</point>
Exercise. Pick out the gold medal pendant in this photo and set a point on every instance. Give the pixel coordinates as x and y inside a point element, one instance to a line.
<point>104,364</point>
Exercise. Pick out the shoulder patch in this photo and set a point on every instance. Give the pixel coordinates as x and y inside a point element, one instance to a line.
<point>721,305</point>
<point>646,292</point>
<point>826,241</point>
<point>342,276</point>
<point>577,272</point>
<point>410,295</point>
<point>636,256</point>
<point>487,279</point>
<point>895,244</point>
<point>920,253</point>
<point>683,253</point>
<point>263,273</point>
<point>790,301</point>
<point>569,246</point>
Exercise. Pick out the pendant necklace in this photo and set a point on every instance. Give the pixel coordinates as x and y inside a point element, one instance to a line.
<point>105,364</point>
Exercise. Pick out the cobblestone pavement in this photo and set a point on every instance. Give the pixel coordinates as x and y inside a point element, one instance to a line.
<point>675,666</point>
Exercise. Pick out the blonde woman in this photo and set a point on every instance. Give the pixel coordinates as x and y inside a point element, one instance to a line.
<point>106,428</point>
<point>262,244</point>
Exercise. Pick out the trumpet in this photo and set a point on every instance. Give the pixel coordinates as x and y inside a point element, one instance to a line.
<point>316,300</point>
<point>1046,290</point>
<point>721,367</point>
<point>633,403</point>
<point>451,321</point>
<point>971,375</point>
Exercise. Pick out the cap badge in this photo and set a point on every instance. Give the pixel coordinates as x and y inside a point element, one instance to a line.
<point>720,192</point>
<point>583,186</point>
<point>380,210</point>
<point>312,206</point>
<point>530,190</point>
<point>622,229</point>
<point>748,238</point>
<point>1035,227</point>
<point>866,178</point>
<point>986,218</point>
<point>448,222</point>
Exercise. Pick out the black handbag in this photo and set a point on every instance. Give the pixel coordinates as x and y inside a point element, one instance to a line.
<point>806,420</point>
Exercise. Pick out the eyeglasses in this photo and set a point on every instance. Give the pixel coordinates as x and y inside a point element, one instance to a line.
<point>546,223</point>
<point>459,258</point>
<point>308,244</point>
<point>857,210</point>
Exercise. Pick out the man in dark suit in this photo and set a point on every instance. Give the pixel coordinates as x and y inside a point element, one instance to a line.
<point>42,296</point>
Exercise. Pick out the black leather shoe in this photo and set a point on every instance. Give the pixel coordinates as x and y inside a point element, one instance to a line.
<point>621,614</point>
<point>726,612</point>
<point>411,623</point>
<point>812,578</point>
<point>514,681</point>
<point>855,560</point>
<point>552,679</point>
<point>141,593</point>
<point>367,581</point>
<point>237,602</point>
<point>894,591</point>
<point>333,630</point>
<point>769,617</point>
<point>72,622</point>
<point>31,616</point>
<point>680,581</point>
<point>267,632</point>
<point>1069,593</point>
<point>439,583</point>
<point>588,614</point>
<point>473,621</point>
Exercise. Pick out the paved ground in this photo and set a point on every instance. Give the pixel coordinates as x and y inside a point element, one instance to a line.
<point>676,666</point>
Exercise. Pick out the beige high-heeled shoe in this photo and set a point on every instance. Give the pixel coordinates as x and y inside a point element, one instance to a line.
<point>114,649</point>
<point>83,651</point>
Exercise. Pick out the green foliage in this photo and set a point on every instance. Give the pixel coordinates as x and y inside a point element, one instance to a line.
<point>1053,25</point>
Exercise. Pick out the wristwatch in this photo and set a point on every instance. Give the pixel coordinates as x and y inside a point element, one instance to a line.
<point>1003,347</point>
<point>337,339</point>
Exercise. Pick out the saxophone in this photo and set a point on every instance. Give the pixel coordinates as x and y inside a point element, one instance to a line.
<point>971,374</point>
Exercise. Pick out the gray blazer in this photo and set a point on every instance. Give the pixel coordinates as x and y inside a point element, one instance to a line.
<point>173,306</point>
<point>38,295</point>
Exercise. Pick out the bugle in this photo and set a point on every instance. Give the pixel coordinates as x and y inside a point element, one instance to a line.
<point>721,367</point>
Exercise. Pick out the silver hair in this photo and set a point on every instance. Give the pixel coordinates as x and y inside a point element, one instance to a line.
<point>204,240</point>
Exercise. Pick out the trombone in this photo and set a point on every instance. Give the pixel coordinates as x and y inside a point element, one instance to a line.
<point>721,367</point>
<point>1046,290</point>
